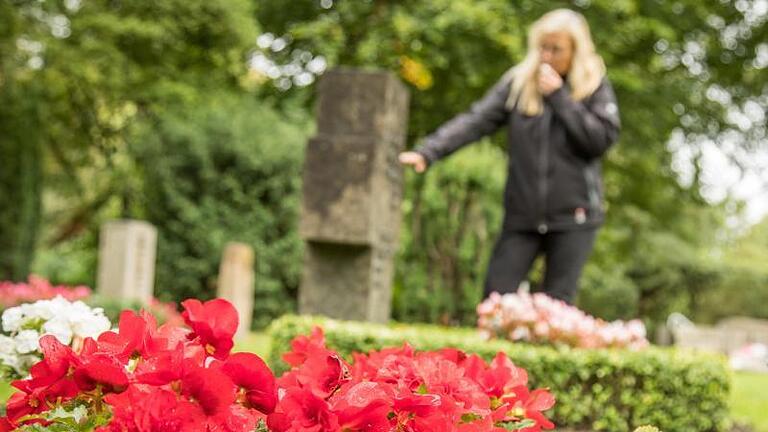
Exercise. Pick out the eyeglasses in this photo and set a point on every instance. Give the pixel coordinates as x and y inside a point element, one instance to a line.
<point>554,50</point>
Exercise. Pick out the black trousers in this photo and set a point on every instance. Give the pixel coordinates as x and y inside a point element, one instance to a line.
<point>565,253</point>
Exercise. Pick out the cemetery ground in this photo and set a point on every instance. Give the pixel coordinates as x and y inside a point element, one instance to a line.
<point>748,401</point>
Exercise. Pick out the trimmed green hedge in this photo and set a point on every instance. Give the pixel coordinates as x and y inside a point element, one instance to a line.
<point>600,390</point>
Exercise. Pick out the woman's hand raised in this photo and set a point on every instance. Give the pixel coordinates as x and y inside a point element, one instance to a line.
<point>416,160</point>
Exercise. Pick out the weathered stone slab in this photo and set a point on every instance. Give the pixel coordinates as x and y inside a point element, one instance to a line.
<point>127,250</point>
<point>755,330</point>
<point>371,104</point>
<point>709,339</point>
<point>352,195</point>
<point>236,282</point>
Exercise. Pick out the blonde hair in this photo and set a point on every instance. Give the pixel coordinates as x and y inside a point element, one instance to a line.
<point>587,67</point>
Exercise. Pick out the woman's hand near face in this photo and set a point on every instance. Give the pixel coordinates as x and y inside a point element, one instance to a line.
<point>548,80</point>
<point>416,160</point>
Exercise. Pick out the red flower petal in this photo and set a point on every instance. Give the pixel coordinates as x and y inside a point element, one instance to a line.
<point>540,400</point>
<point>101,370</point>
<point>249,372</point>
<point>214,322</point>
<point>212,389</point>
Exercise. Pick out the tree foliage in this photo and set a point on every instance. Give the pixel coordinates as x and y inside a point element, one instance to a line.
<point>75,75</point>
<point>229,170</point>
<point>686,67</point>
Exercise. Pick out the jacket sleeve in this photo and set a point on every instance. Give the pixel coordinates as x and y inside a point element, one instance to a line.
<point>485,116</point>
<point>592,124</point>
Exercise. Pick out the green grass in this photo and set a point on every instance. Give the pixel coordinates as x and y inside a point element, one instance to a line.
<point>5,390</point>
<point>256,342</point>
<point>749,400</point>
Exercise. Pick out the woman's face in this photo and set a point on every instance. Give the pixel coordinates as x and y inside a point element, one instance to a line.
<point>556,49</point>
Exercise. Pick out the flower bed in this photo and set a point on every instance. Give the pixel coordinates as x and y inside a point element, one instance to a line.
<point>539,318</point>
<point>598,390</point>
<point>37,288</point>
<point>69,322</point>
<point>399,389</point>
<point>146,378</point>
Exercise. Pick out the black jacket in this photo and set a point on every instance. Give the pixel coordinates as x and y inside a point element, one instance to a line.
<point>554,179</point>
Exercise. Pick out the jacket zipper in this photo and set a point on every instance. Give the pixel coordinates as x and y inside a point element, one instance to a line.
<point>592,192</point>
<point>543,168</point>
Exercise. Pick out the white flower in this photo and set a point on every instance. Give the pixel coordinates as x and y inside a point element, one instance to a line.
<point>60,329</point>
<point>12,319</point>
<point>26,341</point>
<point>25,362</point>
<point>521,333</point>
<point>7,345</point>
<point>38,309</point>
<point>10,361</point>
<point>90,325</point>
<point>57,317</point>
<point>57,307</point>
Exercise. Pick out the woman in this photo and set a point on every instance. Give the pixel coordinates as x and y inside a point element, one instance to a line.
<point>561,116</point>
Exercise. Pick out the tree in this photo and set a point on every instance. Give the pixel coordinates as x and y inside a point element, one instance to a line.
<point>226,170</point>
<point>682,67</point>
<point>75,76</point>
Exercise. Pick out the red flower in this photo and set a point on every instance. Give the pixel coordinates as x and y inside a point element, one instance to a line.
<point>161,368</point>
<point>152,409</point>
<point>210,388</point>
<point>254,378</point>
<point>49,381</point>
<point>498,379</point>
<point>158,379</point>
<point>21,404</point>
<point>303,347</point>
<point>37,399</point>
<point>484,424</point>
<point>419,405</point>
<point>57,361</point>
<point>364,407</point>
<point>302,411</point>
<point>101,369</point>
<point>396,389</point>
<point>526,404</point>
<point>214,322</point>
<point>322,375</point>
<point>6,425</point>
<point>390,365</point>
<point>445,378</point>
<point>537,401</point>
<point>236,419</point>
<point>133,335</point>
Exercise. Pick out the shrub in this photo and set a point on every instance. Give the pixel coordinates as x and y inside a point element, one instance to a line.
<point>228,170</point>
<point>601,390</point>
<point>450,220</point>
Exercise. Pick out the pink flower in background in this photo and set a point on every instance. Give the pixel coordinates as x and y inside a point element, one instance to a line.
<point>539,318</point>
<point>37,288</point>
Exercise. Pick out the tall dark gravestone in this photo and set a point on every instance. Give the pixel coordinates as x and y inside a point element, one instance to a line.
<point>352,195</point>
